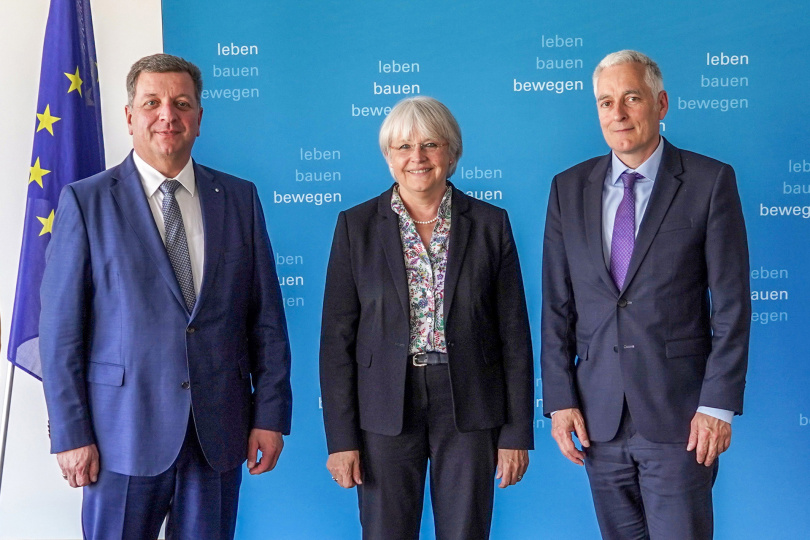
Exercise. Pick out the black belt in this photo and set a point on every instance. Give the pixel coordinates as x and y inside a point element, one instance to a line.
<point>432,358</point>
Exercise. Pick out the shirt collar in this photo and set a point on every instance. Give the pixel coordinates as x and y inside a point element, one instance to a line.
<point>444,207</point>
<point>648,169</point>
<point>151,178</point>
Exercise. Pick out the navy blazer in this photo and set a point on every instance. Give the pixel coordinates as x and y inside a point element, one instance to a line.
<point>123,361</point>
<point>676,336</point>
<point>365,327</point>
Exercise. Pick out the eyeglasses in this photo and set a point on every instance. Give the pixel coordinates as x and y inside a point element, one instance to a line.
<point>428,148</point>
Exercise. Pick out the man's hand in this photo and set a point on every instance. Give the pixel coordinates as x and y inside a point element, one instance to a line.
<point>270,443</point>
<point>80,465</point>
<point>710,436</point>
<point>512,465</point>
<point>345,468</point>
<point>563,423</point>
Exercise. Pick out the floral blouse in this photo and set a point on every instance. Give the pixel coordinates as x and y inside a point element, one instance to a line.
<point>426,271</point>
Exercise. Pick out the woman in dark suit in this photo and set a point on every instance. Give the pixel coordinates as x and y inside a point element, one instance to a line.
<point>425,345</point>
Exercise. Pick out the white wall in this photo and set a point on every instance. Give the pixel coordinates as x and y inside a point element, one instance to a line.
<point>35,502</point>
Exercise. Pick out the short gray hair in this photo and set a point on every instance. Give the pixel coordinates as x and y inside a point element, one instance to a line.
<point>163,63</point>
<point>652,73</point>
<point>426,116</point>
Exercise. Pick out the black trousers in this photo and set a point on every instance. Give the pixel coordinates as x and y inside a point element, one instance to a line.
<point>462,468</point>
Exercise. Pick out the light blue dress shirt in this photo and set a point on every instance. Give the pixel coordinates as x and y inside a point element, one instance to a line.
<point>613,192</point>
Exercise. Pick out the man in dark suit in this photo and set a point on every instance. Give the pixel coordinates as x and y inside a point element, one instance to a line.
<point>646,314</point>
<point>160,309</point>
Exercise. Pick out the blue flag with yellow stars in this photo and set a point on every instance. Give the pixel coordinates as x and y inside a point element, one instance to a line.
<point>68,146</point>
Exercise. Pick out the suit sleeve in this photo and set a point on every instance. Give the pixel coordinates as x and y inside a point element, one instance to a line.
<point>515,333</point>
<point>267,331</point>
<point>726,252</point>
<point>558,331</point>
<point>65,295</point>
<point>338,368</point>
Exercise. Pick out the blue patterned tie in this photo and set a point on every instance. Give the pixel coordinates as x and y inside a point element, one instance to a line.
<point>176,244</point>
<point>624,230</point>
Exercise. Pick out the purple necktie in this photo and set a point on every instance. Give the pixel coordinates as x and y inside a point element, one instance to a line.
<point>624,230</point>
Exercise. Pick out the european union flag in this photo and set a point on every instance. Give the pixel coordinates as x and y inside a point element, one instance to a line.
<point>68,146</point>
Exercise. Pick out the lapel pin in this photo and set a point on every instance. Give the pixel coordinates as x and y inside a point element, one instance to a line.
<point>216,189</point>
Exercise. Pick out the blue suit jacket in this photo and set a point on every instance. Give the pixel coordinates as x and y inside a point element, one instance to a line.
<point>124,362</point>
<point>676,337</point>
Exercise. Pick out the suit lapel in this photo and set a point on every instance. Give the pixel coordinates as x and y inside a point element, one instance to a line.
<point>593,220</point>
<point>127,191</point>
<point>664,190</point>
<point>459,238</point>
<point>388,235</point>
<point>212,205</point>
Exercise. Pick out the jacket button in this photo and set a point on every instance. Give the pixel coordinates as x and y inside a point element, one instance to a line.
<point>615,348</point>
<point>622,302</point>
<point>185,385</point>
<point>190,330</point>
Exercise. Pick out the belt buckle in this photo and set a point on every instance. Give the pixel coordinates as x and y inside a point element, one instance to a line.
<point>416,362</point>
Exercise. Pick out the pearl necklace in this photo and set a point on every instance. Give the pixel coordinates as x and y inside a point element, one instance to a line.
<point>425,222</point>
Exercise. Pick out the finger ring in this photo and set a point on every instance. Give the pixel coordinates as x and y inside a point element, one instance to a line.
<point>64,476</point>
<point>335,479</point>
<point>520,477</point>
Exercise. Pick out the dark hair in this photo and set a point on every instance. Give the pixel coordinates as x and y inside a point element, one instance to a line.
<point>163,63</point>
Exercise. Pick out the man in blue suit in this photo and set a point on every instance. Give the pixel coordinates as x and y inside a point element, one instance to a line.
<point>164,345</point>
<point>646,314</point>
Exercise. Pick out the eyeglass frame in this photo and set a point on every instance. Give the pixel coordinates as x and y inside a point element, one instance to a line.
<point>422,147</point>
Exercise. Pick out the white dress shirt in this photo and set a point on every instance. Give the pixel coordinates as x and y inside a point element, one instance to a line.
<point>189,202</point>
<point>612,193</point>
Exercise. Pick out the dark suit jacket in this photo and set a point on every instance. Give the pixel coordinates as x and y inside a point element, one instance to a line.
<point>124,362</point>
<point>676,336</point>
<point>365,329</point>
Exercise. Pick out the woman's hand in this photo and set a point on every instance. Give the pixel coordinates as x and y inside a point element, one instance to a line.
<point>345,468</point>
<point>512,465</point>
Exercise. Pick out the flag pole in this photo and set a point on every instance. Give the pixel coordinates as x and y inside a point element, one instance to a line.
<point>6,413</point>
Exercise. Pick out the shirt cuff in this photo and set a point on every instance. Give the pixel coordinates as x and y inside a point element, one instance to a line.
<point>720,414</point>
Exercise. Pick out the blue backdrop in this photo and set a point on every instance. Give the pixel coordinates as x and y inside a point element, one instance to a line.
<point>295,94</point>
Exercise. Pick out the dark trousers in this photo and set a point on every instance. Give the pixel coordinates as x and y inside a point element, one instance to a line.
<point>462,468</point>
<point>647,490</point>
<point>201,503</point>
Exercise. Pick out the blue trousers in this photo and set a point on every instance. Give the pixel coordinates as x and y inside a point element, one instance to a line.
<point>645,490</point>
<point>201,503</point>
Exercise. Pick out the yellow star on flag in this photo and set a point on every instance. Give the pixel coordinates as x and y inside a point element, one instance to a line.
<point>46,121</point>
<point>47,224</point>
<point>75,81</point>
<point>37,173</point>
